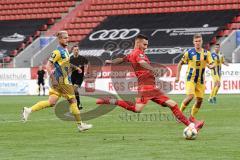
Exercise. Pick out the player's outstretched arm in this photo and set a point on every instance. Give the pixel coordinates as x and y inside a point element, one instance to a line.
<point>49,67</point>
<point>179,68</point>
<point>114,61</point>
<point>147,66</point>
<point>226,63</point>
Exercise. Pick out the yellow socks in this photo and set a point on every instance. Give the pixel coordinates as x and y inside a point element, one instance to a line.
<point>215,91</point>
<point>183,107</point>
<point>194,111</point>
<point>44,104</point>
<point>212,93</point>
<point>40,105</point>
<point>75,111</point>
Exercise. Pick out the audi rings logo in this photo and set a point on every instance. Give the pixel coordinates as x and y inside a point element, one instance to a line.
<point>114,34</point>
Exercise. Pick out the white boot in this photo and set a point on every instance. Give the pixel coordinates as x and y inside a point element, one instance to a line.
<point>25,113</point>
<point>84,126</point>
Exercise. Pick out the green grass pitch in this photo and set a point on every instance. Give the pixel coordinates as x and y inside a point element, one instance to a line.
<point>119,135</point>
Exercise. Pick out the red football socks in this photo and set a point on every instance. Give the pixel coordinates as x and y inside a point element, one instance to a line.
<point>179,115</point>
<point>126,105</point>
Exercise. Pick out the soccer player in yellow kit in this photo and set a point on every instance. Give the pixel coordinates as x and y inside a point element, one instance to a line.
<point>59,68</point>
<point>218,59</point>
<point>197,59</point>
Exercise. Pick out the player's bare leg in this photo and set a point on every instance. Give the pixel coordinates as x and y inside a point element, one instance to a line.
<point>139,107</point>
<point>52,100</point>
<point>76,113</point>
<point>186,101</point>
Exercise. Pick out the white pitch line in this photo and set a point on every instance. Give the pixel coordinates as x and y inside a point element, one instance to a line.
<point>20,121</point>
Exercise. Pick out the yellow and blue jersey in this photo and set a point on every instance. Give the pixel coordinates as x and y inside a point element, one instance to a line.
<point>197,63</point>
<point>218,60</point>
<point>61,61</point>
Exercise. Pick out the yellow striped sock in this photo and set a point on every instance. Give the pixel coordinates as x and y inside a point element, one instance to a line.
<point>194,111</point>
<point>75,111</point>
<point>40,105</point>
<point>183,107</point>
<point>216,91</point>
<point>212,93</point>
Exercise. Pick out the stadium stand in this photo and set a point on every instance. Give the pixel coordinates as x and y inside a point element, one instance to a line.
<point>96,11</point>
<point>22,21</point>
<point>169,33</point>
<point>83,20</point>
<point>16,35</point>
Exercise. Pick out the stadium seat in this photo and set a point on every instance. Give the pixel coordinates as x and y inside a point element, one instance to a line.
<point>214,40</point>
<point>6,59</point>
<point>236,19</point>
<point>51,21</point>
<point>13,53</point>
<point>226,32</point>
<point>43,27</point>
<point>92,15</point>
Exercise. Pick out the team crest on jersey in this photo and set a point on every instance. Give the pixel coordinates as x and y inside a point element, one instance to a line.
<point>53,55</point>
<point>193,53</point>
<point>198,63</point>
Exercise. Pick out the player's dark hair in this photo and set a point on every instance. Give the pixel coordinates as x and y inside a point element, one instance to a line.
<point>198,35</point>
<point>141,36</point>
<point>74,46</point>
<point>217,44</point>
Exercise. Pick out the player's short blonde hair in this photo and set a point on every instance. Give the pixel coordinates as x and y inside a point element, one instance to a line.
<point>198,35</point>
<point>60,33</point>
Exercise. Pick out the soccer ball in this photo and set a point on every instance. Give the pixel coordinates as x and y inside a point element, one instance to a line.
<point>190,133</point>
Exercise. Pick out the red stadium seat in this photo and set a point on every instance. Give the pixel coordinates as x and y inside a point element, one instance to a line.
<point>13,53</point>
<point>36,34</point>
<point>50,21</point>
<point>43,27</point>
<point>237,19</point>
<point>226,32</point>
<point>214,40</point>
<point>233,26</point>
<point>6,59</point>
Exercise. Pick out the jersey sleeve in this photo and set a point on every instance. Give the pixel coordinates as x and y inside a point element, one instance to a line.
<point>139,57</point>
<point>222,59</point>
<point>55,56</point>
<point>126,58</point>
<point>209,58</point>
<point>185,58</point>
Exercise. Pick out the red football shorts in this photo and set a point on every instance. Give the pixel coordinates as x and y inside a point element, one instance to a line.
<point>146,93</point>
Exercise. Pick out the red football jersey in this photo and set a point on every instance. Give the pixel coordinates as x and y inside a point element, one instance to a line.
<point>145,76</point>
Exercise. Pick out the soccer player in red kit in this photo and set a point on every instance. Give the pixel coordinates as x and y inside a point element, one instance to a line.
<point>146,84</point>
